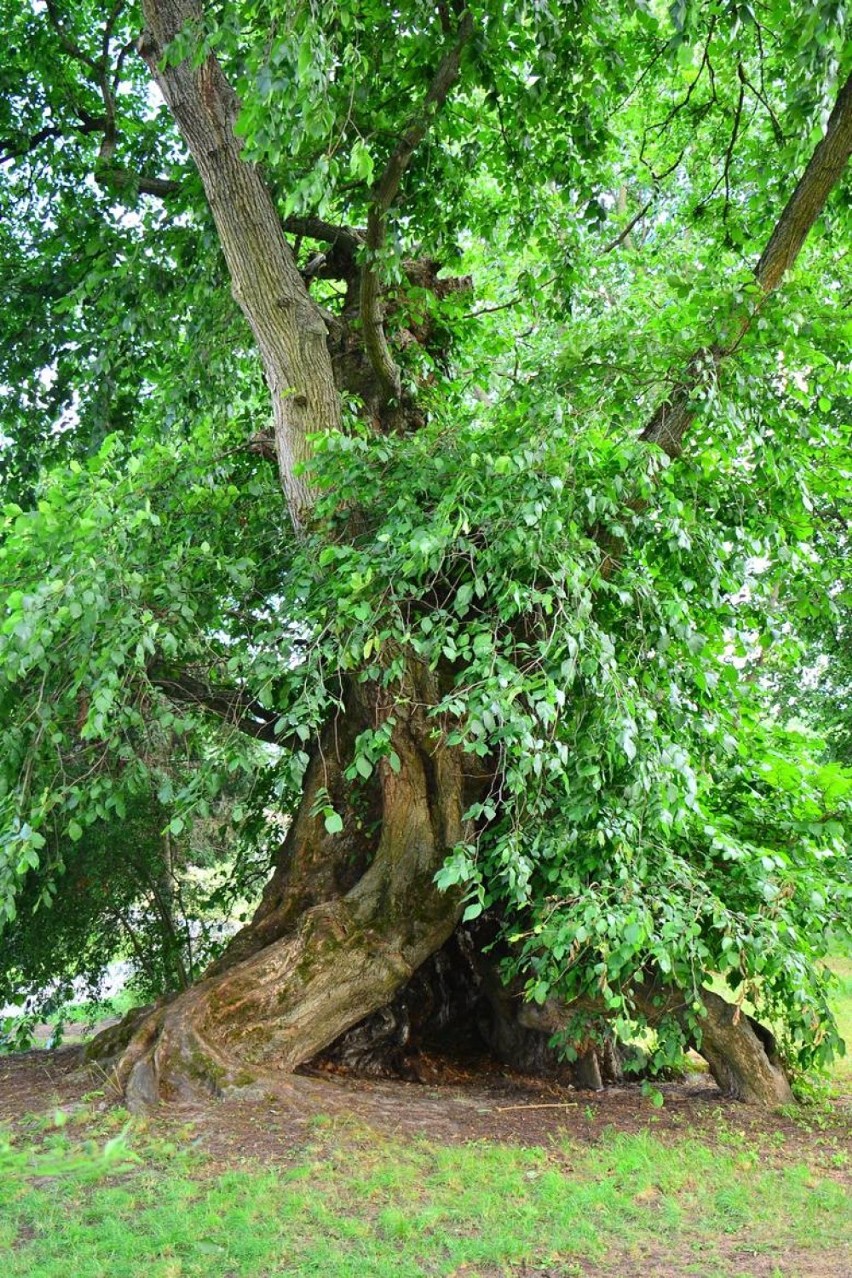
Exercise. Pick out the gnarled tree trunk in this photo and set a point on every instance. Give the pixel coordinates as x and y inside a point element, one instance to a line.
<point>345,921</point>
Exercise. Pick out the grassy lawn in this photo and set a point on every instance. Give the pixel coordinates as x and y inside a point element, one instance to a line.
<point>352,1203</point>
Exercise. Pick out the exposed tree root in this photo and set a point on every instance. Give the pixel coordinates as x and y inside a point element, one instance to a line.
<point>319,956</point>
<point>739,1052</point>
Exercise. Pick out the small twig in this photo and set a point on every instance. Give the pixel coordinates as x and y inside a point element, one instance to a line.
<point>69,45</point>
<point>513,301</point>
<point>492,310</point>
<point>661,125</point>
<point>661,50</point>
<point>504,1109</point>
<point>761,97</point>
<point>729,153</point>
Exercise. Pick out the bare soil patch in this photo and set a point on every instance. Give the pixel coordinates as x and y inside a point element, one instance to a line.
<point>472,1100</point>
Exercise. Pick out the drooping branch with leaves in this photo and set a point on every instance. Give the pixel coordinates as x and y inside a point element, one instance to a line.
<point>508,658</point>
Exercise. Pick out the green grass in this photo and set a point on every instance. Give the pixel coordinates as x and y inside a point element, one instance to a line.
<point>355,1205</point>
<point>87,1013</point>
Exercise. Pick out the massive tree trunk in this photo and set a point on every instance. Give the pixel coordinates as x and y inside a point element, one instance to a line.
<point>348,918</point>
<point>345,921</point>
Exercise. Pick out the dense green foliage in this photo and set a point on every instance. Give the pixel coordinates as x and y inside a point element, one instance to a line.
<point>601,172</point>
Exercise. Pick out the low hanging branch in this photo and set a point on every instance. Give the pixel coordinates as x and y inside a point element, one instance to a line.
<point>741,1053</point>
<point>231,706</point>
<point>672,419</point>
<point>385,192</point>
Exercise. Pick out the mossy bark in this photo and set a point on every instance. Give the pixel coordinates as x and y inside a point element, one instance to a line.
<point>344,923</point>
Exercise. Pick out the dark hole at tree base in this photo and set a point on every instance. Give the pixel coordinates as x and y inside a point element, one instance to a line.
<point>454,1019</point>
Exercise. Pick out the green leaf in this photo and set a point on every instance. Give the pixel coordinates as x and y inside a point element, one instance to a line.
<point>361,163</point>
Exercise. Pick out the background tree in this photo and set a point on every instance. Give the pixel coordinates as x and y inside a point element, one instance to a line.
<point>547,435</point>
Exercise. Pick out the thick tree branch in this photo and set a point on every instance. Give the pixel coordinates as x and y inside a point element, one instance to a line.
<point>16,148</point>
<point>120,180</point>
<point>315,228</point>
<point>807,201</point>
<point>384,194</point>
<point>741,1053</point>
<point>230,705</point>
<point>288,327</point>
<point>340,260</point>
<point>672,419</point>
<point>623,235</point>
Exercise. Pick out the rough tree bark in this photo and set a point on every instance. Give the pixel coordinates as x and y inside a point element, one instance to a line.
<point>347,920</point>
<point>344,922</point>
<point>287,324</point>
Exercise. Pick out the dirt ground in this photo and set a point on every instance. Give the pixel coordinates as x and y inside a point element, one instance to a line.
<point>472,1100</point>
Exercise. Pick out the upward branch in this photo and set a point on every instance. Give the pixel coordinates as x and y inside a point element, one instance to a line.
<point>287,325</point>
<point>672,419</point>
<point>384,194</point>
